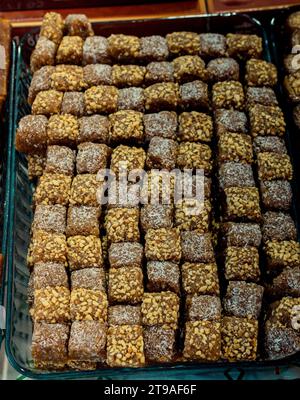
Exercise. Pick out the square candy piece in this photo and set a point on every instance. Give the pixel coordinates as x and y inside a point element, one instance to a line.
<point>60,160</point>
<point>125,346</point>
<point>260,73</point>
<point>97,74</point>
<point>163,124</point>
<point>242,263</point>
<point>235,147</point>
<point>230,121</point>
<point>126,125</point>
<point>73,103</point>
<point>203,307</point>
<point>124,315</point>
<point>53,189</point>
<point>49,218</point>
<point>49,342</point>
<point>83,220</point>
<point>281,254</point>
<point>276,195</point>
<point>261,95</point>
<point>49,275</point>
<point>193,215</point>
<point>212,45</point>
<point>159,342</point>
<point>194,127</point>
<point>124,48</point>
<point>62,130</point>
<point>272,144</point>
<point>84,190</point>
<point>239,338</point>
<point>155,216</point>
<point>31,135</point>
<point>125,157</point>
<point>163,244</point>
<point>188,68</point>
<point>243,234</point>
<point>278,226</point>
<point>93,129</point>
<point>243,300</point>
<point>88,305</point>
<point>266,120</point>
<point>125,255</point>
<point>202,341</point>
<point>160,308</point>
<point>125,285</point>
<point>87,341</point>
<point>228,94</point>
<point>95,50</point>
<point>244,46</point>
<point>67,78</point>
<point>194,156</point>
<point>51,305</point>
<point>89,278</point>
<point>194,95</point>
<point>70,50</point>
<point>233,174</point>
<point>84,252</point>
<point>181,43</point>
<point>41,80</point>
<point>122,225</point>
<point>223,69</point>
<point>43,54</point>
<point>283,311</point>
<point>201,279</point>
<point>101,99</point>
<point>153,48</point>
<point>128,75</point>
<point>293,21</point>
<point>78,25</point>
<point>163,275</point>
<point>280,341</point>
<point>272,166</point>
<point>92,157</point>
<point>161,96</point>
<point>161,153</point>
<point>242,203</point>
<point>131,99</point>
<point>197,247</point>
<point>47,102</point>
<point>157,72</point>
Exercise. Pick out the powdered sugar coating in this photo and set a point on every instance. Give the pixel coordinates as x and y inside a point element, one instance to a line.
<point>83,220</point>
<point>73,103</point>
<point>286,283</point>
<point>97,74</point>
<point>93,129</point>
<point>235,174</point>
<point>280,341</point>
<point>197,247</point>
<point>230,121</point>
<point>159,342</point>
<point>223,69</point>
<point>41,80</point>
<point>131,99</point>
<point>161,153</point>
<point>89,278</point>
<point>124,315</point>
<point>95,50</point>
<point>31,136</point>
<point>49,275</point>
<point>125,255</point>
<point>276,194</point>
<point>278,226</point>
<point>272,144</point>
<point>203,307</point>
<point>156,216</point>
<point>243,234</point>
<point>163,124</point>
<point>91,157</point>
<point>153,48</point>
<point>50,218</point>
<point>60,160</point>
<point>212,44</point>
<point>163,275</point>
<point>194,95</point>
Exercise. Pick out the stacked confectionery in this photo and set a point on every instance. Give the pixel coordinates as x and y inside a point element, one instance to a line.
<point>133,284</point>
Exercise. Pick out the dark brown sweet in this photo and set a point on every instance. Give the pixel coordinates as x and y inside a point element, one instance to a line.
<point>239,338</point>
<point>266,120</point>
<point>131,99</point>
<point>287,283</point>
<point>235,147</point>
<point>189,68</point>
<point>95,50</point>
<point>53,189</point>
<point>88,305</point>
<point>194,156</point>
<point>153,48</point>
<point>84,252</point>
<point>43,54</point>
<point>157,72</point>
<point>127,75</point>
<point>242,234</point>
<point>49,274</point>
<point>91,157</point>
<point>223,69</point>
<point>101,99</point>
<point>62,130</point>
<point>272,166</point>
<point>243,300</point>
<point>160,309</point>
<point>161,153</point>
<point>163,124</point>
<point>60,160</point>
<point>230,121</point>
<point>155,216</point>
<point>276,195</point>
<point>242,203</point>
<point>83,220</point>
<point>73,103</point>
<point>125,255</point>
<point>78,25</point>
<point>281,254</point>
<point>159,342</point>
<point>47,102</point>
<point>97,74</point>
<point>278,226</point>
<point>51,305</point>
<point>31,135</point>
<point>124,315</point>
<point>84,190</point>
<point>233,174</point>
<point>49,218</point>
<point>203,307</point>
<point>41,80</point>
<point>202,341</point>
<point>70,50</point>
<point>194,95</point>
<point>163,244</point>
<point>261,95</point>
<point>181,43</point>
<point>197,247</point>
<point>162,276</point>
<point>161,96</point>
<point>228,94</point>
<point>260,73</point>
<point>212,45</point>
<point>194,127</point>
<point>93,129</point>
<point>126,125</point>
<point>122,225</point>
<point>242,263</point>
<point>124,48</point>
<point>201,279</point>
<point>87,341</point>
<point>244,46</point>
<point>271,144</point>
<point>89,278</point>
<point>125,285</point>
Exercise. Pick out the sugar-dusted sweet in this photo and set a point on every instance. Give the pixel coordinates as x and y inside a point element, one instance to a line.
<point>83,220</point>
<point>155,216</point>
<point>271,144</point>
<point>223,69</point>
<point>127,254</point>
<point>163,124</point>
<point>43,54</point>
<point>235,174</point>
<point>203,307</point>
<point>49,274</point>
<point>89,278</point>
<point>92,157</point>
<point>161,153</point>
<point>41,80</point>
<point>95,50</point>
<point>194,96</point>
<point>131,98</point>
<point>163,276</point>
<point>124,315</point>
<point>153,48</point>
<point>212,45</point>
<point>97,74</point>
<point>31,135</point>
<point>94,128</point>
<point>49,218</point>
<point>197,247</point>
<point>276,195</point>
<point>78,25</point>
<point>60,160</point>
<point>73,103</point>
<point>230,121</point>
<point>287,283</point>
<point>261,95</point>
<point>278,226</point>
<point>157,72</point>
<point>159,343</point>
<point>242,234</point>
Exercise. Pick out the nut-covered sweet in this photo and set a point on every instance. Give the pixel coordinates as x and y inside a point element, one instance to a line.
<point>278,226</point>
<point>88,305</point>
<point>234,174</point>
<point>202,341</point>
<point>122,225</point>
<point>276,195</point>
<point>161,153</point>
<point>93,129</point>
<point>95,50</point>
<point>197,247</point>
<point>228,94</point>
<point>242,263</point>
<point>261,95</point>
<point>163,124</point>
<point>272,166</point>
<point>127,158</point>
<point>283,311</point>
<point>281,254</point>
<point>242,203</point>
<point>92,157</point>
<point>84,252</point>
<point>83,220</point>
<point>199,278</point>
<point>162,96</point>
<point>67,78</point>
<point>70,50</point>
<point>266,120</point>
<point>50,274</point>
<point>73,103</point>
<point>153,48</point>
<point>124,48</point>
<point>84,190</point>
<point>203,307</point>
<point>101,99</point>
<point>53,189</point>
<point>47,102</point>
<point>62,130</point>
<point>194,127</point>
<point>160,308</point>
<point>194,96</point>
<point>291,84</point>
<point>157,72</point>
<point>239,338</point>
<point>230,121</point>
<point>223,69</point>
<point>163,275</point>
<point>89,278</point>
<point>52,27</point>
<point>60,160</point>
<point>49,218</point>
<point>181,43</point>
<point>126,125</point>
<point>212,45</point>
<point>125,346</point>
<point>159,342</point>
<point>125,285</point>
<point>163,244</point>
<point>260,73</point>
<point>127,75</point>
<point>194,156</point>
<point>193,215</point>
<point>244,46</point>
<point>188,68</point>
<point>31,135</point>
<point>235,147</point>
<point>51,305</point>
